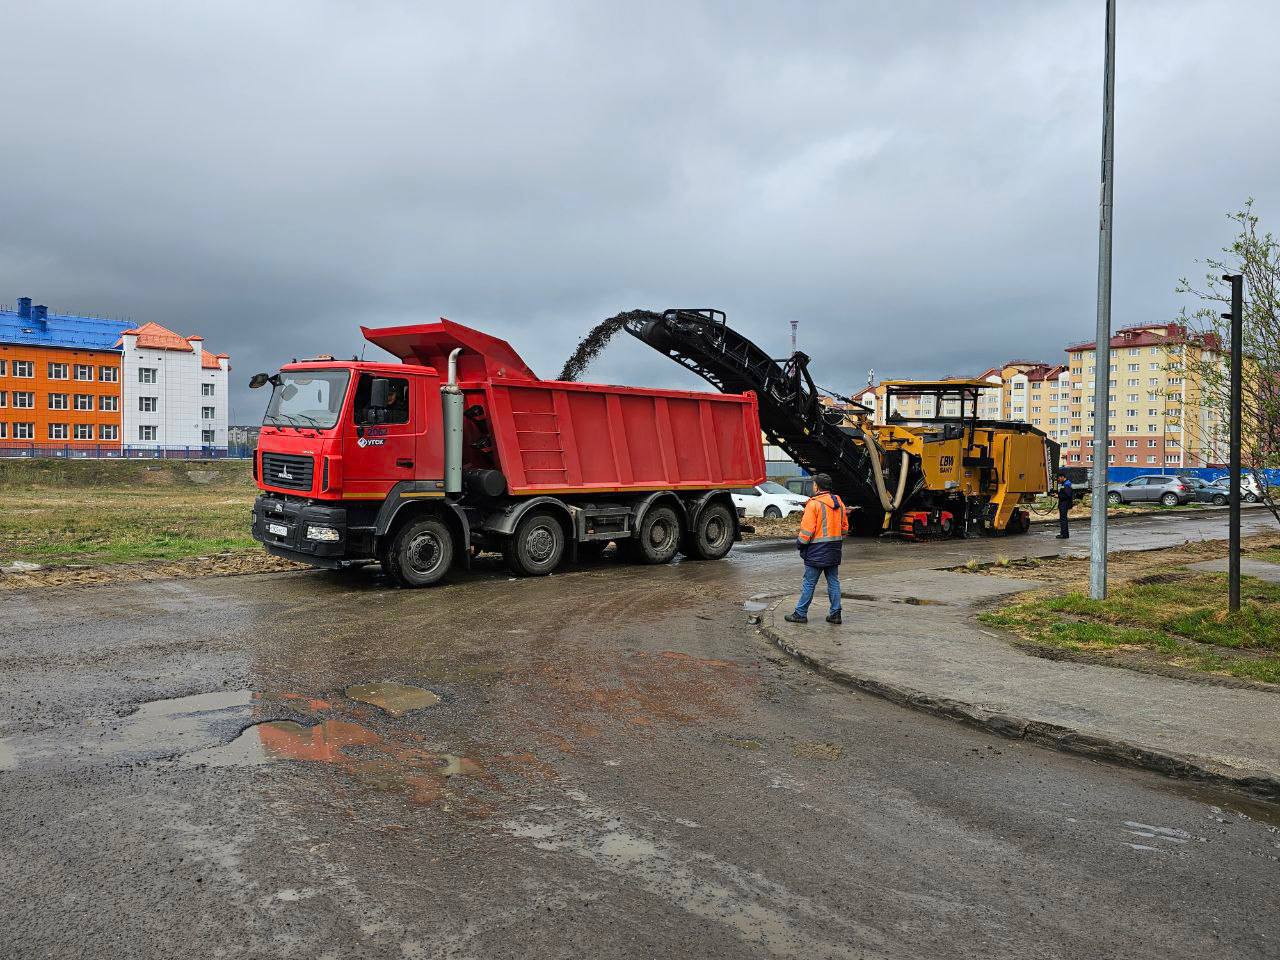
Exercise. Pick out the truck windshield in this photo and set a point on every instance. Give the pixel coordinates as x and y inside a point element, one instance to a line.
<point>311,398</point>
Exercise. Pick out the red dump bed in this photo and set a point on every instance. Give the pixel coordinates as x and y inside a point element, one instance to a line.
<point>549,436</point>
<point>555,437</point>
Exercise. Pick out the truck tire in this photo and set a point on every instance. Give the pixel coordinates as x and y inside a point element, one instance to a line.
<point>658,537</point>
<point>1019,522</point>
<point>421,553</point>
<point>537,546</point>
<point>712,534</point>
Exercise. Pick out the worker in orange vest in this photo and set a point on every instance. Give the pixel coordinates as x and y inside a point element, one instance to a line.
<point>822,531</point>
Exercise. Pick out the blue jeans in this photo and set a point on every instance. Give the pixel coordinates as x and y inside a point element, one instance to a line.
<point>811,575</point>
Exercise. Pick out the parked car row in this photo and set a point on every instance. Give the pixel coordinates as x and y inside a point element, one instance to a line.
<point>1172,490</point>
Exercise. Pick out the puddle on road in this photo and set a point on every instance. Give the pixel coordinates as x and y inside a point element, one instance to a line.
<point>396,699</point>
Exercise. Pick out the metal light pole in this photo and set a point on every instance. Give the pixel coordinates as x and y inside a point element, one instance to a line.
<point>1237,480</point>
<point>1102,346</point>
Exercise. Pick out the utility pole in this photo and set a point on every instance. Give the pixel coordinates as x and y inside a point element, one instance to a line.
<point>1102,346</point>
<point>1237,479</point>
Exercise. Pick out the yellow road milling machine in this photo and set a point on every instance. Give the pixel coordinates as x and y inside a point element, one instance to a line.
<point>950,474</point>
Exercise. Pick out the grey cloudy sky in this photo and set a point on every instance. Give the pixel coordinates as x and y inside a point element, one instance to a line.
<point>915,182</point>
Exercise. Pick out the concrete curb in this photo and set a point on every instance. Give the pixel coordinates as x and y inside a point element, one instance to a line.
<point>1066,739</point>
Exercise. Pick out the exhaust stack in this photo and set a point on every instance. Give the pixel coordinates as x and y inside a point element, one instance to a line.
<point>451,408</point>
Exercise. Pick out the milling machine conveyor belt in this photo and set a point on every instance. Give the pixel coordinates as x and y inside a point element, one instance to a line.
<point>791,412</point>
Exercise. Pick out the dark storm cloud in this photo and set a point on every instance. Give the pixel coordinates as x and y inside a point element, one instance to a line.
<point>916,183</point>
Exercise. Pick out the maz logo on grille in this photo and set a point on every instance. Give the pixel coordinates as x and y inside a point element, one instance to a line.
<point>285,474</point>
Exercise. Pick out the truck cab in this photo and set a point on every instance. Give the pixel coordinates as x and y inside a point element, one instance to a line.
<point>336,439</point>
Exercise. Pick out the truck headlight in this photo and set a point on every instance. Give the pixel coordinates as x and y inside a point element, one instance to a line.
<point>326,534</point>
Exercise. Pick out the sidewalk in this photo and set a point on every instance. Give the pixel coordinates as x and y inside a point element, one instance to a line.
<point>912,638</point>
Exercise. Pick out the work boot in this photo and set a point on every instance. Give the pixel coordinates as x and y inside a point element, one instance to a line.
<point>1062,537</point>
<point>834,617</point>
<point>795,618</point>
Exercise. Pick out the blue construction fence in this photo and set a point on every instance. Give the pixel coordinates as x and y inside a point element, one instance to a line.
<point>88,451</point>
<point>1208,474</point>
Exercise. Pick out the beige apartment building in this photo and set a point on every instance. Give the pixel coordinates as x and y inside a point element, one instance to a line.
<point>1157,416</point>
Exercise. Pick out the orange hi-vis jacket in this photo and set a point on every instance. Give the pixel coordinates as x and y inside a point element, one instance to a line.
<point>823,528</point>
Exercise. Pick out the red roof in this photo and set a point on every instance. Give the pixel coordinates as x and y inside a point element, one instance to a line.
<point>152,336</point>
<point>1152,335</point>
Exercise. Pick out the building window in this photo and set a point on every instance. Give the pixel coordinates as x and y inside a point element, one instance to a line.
<point>207,413</point>
<point>84,371</point>
<point>24,368</point>
<point>108,404</point>
<point>57,401</point>
<point>58,371</point>
<point>4,367</point>
<point>24,431</point>
<point>147,404</point>
<point>109,374</point>
<point>108,431</point>
<point>4,430</point>
<point>147,433</point>
<point>1131,443</point>
<point>1130,458</point>
<point>83,401</point>
<point>1153,459</point>
<point>1131,428</point>
<point>84,431</point>
<point>57,431</point>
<point>24,399</point>
<point>146,374</point>
<point>206,437</point>
<point>206,389</point>
<point>4,398</point>
<point>1173,459</point>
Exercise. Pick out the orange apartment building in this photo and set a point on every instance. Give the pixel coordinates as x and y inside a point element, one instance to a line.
<point>59,379</point>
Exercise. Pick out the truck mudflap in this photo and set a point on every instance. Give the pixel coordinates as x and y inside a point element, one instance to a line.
<point>307,532</point>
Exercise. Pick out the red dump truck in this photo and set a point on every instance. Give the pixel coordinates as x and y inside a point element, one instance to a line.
<point>460,448</point>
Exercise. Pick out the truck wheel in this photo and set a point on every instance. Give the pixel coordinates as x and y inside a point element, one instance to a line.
<point>421,553</point>
<point>537,546</point>
<point>658,537</point>
<point>712,535</point>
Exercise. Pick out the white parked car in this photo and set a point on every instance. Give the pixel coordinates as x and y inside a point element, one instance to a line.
<point>1251,492</point>
<point>770,500</point>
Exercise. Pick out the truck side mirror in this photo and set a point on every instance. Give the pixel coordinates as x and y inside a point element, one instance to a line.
<point>379,390</point>
<point>262,379</point>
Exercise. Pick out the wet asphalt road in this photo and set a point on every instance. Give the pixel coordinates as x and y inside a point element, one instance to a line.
<point>618,767</point>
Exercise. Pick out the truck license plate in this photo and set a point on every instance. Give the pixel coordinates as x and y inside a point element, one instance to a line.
<point>278,529</point>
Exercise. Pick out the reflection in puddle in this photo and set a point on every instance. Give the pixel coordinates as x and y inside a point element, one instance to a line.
<point>396,699</point>
<point>374,761</point>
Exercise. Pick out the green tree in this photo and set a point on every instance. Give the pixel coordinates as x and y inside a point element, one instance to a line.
<point>1254,253</point>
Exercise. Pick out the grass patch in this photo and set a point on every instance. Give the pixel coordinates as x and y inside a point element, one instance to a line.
<point>1178,617</point>
<point>113,524</point>
<point>1269,556</point>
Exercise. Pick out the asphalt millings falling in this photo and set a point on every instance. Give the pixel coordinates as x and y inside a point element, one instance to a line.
<point>597,339</point>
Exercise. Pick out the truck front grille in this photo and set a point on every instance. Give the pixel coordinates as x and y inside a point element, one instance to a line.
<point>287,470</point>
